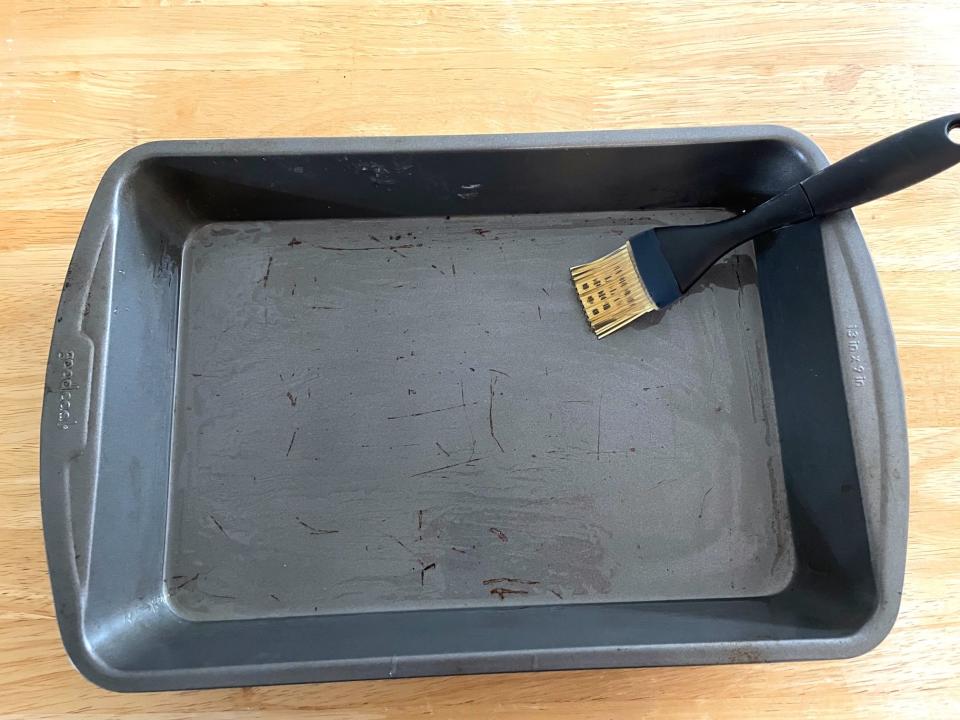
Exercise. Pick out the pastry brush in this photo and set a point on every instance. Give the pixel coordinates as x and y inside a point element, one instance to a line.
<point>657,266</point>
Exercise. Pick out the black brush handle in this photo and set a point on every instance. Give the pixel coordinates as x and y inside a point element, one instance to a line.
<point>880,169</point>
<point>885,167</point>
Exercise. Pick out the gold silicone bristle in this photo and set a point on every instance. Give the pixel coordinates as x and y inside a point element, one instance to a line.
<point>611,291</point>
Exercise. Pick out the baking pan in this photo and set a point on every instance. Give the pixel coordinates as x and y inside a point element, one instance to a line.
<point>328,409</point>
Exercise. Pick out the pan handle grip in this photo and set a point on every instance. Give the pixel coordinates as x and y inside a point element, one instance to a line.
<point>76,329</point>
<point>887,166</point>
<point>71,395</point>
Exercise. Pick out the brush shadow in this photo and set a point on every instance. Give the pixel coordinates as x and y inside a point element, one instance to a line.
<point>732,273</point>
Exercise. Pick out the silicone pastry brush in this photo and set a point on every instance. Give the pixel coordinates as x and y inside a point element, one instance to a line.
<point>655,267</point>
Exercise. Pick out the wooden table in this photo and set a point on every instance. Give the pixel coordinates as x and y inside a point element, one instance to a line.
<point>82,80</point>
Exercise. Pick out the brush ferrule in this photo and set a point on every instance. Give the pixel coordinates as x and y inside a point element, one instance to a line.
<point>654,270</point>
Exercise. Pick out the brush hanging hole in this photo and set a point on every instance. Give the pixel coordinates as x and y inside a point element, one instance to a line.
<point>953,132</point>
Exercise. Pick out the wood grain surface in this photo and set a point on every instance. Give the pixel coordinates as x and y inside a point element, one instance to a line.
<point>82,80</point>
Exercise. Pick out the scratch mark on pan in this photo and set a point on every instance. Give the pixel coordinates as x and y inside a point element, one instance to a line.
<point>501,592</point>
<point>400,543</point>
<point>186,582</point>
<point>423,571</point>
<point>664,482</point>
<point>539,314</point>
<point>599,411</point>
<point>266,274</point>
<point>493,381</point>
<point>219,526</point>
<point>427,412</point>
<point>316,531</point>
<point>510,581</point>
<point>441,449</point>
<point>499,372</point>
<point>338,248</point>
<point>469,191</point>
<point>290,446</point>
<point>447,467</point>
<point>545,292</point>
<point>703,501</point>
<point>466,419</point>
<point>501,535</point>
<point>292,398</point>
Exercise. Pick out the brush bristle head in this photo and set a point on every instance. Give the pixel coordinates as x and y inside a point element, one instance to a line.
<point>611,291</point>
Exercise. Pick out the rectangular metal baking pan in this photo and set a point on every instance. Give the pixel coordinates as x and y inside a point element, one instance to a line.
<point>328,409</point>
